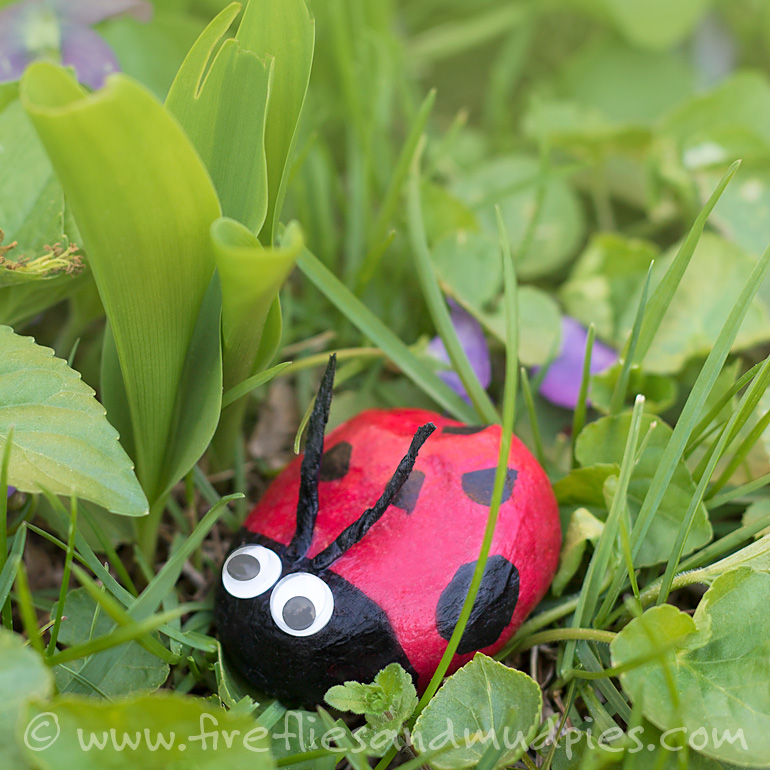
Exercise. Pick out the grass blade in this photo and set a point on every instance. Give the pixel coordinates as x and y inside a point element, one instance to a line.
<point>437,305</point>
<point>664,293</point>
<point>371,326</point>
<point>688,418</point>
<point>393,193</point>
<point>600,561</point>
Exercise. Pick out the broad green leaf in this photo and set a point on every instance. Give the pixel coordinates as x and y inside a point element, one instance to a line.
<point>598,77</point>
<point>582,130</point>
<point>585,486</point>
<point>472,709</point>
<point>144,203</point>
<point>755,512</point>
<point>606,282</point>
<point>605,286</point>
<point>742,214</point>
<point>603,441</point>
<point>222,105</point>
<point>468,267</point>
<point>659,391</point>
<point>285,31</point>
<point>512,182</point>
<point>155,732</point>
<point>387,703</point>
<point>656,24</point>
<point>445,215</point>
<point>709,672</point>
<point>583,528</point>
<point>251,277</point>
<point>700,307</point>
<point>199,398</point>
<point>23,675</point>
<point>137,670</point>
<point>716,127</point>
<point>62,441</point>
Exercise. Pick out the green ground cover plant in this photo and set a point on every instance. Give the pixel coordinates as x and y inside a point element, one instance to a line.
<point>550,215</point>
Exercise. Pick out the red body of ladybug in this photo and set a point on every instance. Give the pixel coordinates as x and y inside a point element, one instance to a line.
<point>304,605</point>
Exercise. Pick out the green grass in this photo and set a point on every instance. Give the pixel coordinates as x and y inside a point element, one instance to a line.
<point>525,160</point>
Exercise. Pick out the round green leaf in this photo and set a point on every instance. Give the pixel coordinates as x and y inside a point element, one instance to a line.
<point>709,673</point>
<point>513,182</point>
<point>483,702</point>
<point>603,441</point>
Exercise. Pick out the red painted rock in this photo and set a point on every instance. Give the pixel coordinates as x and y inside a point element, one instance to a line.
<point>314,593</point>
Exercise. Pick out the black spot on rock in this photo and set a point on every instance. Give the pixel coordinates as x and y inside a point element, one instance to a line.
<point>493,609</point>
<point>478,485</point>
<point>463,430</point>
<point>406,499</point>
<point>336,462</point>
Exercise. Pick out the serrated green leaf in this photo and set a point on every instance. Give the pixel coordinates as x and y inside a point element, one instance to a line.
<point>472,709</point>
<point>62,441</point>
<point>387,702</point>
<point>716,663</point>
<point>144,203</point>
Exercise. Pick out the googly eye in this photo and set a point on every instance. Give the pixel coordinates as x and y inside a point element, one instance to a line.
<point>249,571</point>
<point>301,604</point>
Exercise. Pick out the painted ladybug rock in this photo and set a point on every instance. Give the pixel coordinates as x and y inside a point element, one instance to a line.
<point>361,553</point>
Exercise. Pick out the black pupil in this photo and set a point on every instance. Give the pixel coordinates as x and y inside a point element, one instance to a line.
<point>243,567</point>
<point>299,613</point>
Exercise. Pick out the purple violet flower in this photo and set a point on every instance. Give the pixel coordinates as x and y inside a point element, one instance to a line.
<point>11,490</point>
<point>474,343</point>
<point>561,384</point>
<point>59,30</point>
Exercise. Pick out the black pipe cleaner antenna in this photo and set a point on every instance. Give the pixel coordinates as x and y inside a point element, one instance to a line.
<point>352,534</point>
<point>307,506</point>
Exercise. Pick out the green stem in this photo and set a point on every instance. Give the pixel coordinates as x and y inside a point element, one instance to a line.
<point>566,634</point>
<point>147,529</point>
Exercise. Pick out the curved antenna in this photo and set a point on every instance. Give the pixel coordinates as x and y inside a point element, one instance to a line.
<point>310,470</point>
<point>352,534</point>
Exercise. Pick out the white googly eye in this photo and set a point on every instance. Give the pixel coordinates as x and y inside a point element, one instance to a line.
<point>301,604</point>
<point>249,571</point>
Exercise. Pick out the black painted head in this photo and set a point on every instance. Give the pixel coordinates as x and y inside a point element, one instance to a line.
<point>290,625</point>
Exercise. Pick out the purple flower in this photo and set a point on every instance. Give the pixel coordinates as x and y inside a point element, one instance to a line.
<point>472,338</point>
<point>561,384</point>
<point>11,490</point>
<point>58,30</point>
